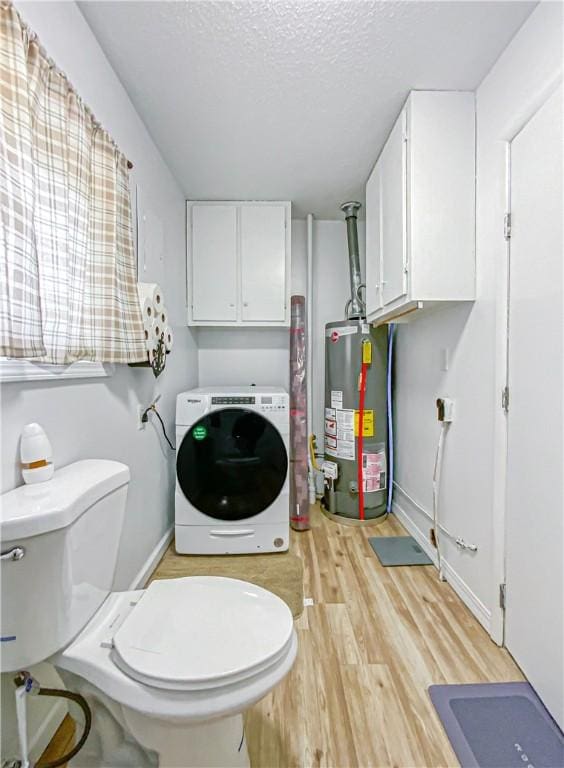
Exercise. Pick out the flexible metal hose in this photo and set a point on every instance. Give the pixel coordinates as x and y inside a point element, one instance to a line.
<point>83,704</point>
<point>312,446</point>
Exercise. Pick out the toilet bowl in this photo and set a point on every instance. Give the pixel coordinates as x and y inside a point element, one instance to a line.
<point>183,659</point>
<point>167,671</point>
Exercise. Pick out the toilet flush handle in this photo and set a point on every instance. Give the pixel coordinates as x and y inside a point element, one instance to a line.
<point>13,554</point>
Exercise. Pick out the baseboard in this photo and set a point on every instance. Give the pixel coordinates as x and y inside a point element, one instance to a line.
<point>152,561</point>
<point>468,597</point>
<point>39,740</point>
<point>462,589</point>
<point>418,534</point>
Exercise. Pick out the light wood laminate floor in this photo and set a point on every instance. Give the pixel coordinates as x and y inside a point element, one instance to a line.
<point>369,647</point>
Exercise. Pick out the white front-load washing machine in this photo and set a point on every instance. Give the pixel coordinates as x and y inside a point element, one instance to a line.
<point>232,488</point>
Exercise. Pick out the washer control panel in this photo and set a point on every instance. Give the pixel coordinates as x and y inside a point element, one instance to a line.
<point>273,402</point>
<point>192,405</point>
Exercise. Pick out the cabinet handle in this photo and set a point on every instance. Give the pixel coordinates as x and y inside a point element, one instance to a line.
<point>232,305</point>
<point>245,303</point>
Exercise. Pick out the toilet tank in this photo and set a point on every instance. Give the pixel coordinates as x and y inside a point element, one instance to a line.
<point>59,544</point>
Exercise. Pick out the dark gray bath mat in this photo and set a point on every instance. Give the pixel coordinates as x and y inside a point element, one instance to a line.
<point>398,550</point>
<point>498,725</point>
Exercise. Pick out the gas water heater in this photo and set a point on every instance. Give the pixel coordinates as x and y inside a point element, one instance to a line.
<point>355,464</point>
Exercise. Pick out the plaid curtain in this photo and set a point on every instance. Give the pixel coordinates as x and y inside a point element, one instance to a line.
<point>68,285</point>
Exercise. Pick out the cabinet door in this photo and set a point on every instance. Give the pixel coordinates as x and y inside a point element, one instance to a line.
<point>373,240</point>
<point>263,263</point>
<point>393,213</point>
<point>214,263</point>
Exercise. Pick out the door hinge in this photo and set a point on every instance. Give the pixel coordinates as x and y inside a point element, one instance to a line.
<point>502,596</point>
<point>505,399</point>
<point>507,226</point>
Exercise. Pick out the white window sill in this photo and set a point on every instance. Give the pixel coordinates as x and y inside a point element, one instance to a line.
<point>12,369</point>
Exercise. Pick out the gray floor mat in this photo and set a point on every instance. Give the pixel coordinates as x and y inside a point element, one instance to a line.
<point>398,550</point>
<point>498,724</point>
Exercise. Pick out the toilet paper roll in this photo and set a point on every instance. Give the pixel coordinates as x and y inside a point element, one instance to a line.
<point>147,309</point>
<point>150,335</point>
<point>153,292</point>
<point>163,317</point>
<point>149,322</point>
<point>158,330</point>
<point>168,338</point>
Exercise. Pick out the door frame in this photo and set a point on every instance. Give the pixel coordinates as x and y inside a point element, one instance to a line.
<point>509,129</point>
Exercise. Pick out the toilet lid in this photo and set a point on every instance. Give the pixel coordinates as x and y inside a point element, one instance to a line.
<point>201,632</point>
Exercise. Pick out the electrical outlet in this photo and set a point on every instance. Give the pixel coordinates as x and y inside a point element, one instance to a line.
<point>445,409</point>
<point>140,411</point>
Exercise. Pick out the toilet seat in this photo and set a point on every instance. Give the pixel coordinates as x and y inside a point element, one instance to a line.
<point>92,657</point>
<point>202,632</point>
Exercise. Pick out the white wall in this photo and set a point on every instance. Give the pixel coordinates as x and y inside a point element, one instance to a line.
<point>471,495</point>
<point>97,417</point>
<point>260,355</point>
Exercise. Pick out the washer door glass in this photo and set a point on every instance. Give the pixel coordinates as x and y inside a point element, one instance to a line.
<point>232,464</point>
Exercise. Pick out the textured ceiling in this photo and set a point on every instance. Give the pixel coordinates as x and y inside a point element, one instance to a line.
<point>290,100</point>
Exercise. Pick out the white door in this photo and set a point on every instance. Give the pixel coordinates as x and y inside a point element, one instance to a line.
<point>393,213</point>
<point>373,240</point>
<point>535,505</point>
<point>263,263</point>
<point>214,262</point>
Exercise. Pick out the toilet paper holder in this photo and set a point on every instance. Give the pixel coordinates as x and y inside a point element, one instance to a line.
<point>158,362</point>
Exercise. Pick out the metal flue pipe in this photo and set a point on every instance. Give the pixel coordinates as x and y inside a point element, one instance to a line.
<point>355,306</point>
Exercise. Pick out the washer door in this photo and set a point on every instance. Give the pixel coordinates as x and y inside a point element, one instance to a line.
<point>232,464</point>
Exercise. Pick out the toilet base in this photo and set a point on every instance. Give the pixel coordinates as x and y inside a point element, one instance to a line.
<point>125,738</point>
<point>216,744</point>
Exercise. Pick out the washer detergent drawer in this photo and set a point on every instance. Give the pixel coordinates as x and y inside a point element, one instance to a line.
<point>231,465</point>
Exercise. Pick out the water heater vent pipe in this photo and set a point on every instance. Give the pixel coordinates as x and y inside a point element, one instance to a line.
<point>355,306</point>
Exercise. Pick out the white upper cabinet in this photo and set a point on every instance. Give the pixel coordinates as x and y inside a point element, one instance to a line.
<point>239,263</point>
<point>214,270</point>
<point>393,277</point>
<point>263,263</point>
<point>420,209</point>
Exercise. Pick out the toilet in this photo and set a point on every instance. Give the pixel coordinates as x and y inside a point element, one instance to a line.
<point>167,671</point>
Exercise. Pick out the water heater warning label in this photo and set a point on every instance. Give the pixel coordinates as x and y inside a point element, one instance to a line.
<point>339,431</point>
<point>331,445</point>
<point>345,434</point>
<point>367,423</point>
<point>374,471</point>
<point>345,449</point>
<point>336,398</point>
